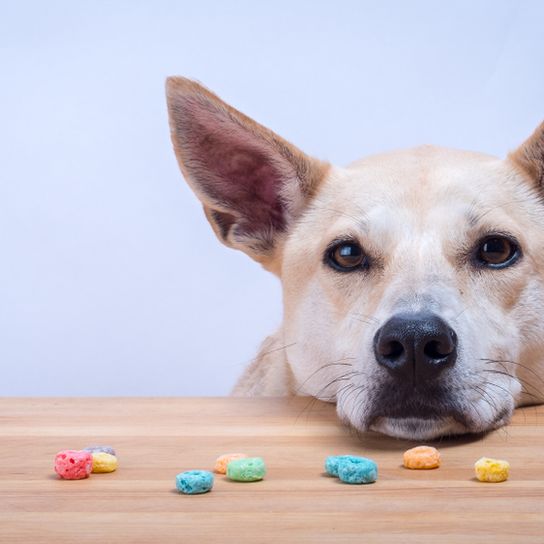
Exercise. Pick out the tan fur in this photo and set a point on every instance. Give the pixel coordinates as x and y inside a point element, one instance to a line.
<point>419,214</point>
<point>269,375</point>
<point>310,172</point>
<point>530,156</point>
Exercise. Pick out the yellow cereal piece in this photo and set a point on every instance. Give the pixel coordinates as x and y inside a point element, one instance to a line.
<point>104,462</point>
<point>223,460</point>
<point>491,470</point>
<point>421,457</point>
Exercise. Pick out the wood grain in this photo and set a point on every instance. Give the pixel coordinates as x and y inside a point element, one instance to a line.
<point>158,437</point>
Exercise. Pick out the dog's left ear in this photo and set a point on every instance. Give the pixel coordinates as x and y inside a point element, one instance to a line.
<point>252,183</point>
<point>530,156</point>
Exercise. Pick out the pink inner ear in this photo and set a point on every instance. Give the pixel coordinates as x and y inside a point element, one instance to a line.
<point>236,168</point>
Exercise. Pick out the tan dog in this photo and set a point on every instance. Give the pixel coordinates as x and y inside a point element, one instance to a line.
<point>413,281</point>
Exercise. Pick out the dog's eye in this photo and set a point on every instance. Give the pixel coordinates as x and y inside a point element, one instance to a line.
<point>346,256</point>
<point>497,252</point>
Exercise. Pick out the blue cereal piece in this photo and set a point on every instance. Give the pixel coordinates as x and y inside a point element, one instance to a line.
<point>100,449</point>
<point>357,470</point>
<point>194,482</point>
<point>332,462</point>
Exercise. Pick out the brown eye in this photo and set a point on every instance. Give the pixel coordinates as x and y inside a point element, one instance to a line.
<point>346,256</point>
<point>497,252</point>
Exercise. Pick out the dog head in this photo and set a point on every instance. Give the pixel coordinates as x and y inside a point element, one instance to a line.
<point>413,281</point>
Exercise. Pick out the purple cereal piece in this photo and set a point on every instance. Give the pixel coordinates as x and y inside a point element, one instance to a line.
<point>97,449</point>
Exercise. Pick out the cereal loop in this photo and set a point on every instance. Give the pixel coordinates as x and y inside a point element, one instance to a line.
<point>104,462</point>
<point>491,470</point>
<point>223,460</point>
<point>357,470</point>
<point>194,482</point>
<point>99,448</point>
<point>251,469</point>
<point>73,464</point>
<point>422,458</point>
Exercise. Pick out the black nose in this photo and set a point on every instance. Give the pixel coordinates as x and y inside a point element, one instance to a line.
<point>416,347</point>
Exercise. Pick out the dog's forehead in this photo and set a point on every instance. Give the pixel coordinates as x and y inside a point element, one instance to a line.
<point>422,186</point>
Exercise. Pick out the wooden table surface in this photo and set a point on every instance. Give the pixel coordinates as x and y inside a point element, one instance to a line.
<point>158,437</point>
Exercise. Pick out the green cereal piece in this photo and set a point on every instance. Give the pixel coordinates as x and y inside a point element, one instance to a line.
<point>251,469</point>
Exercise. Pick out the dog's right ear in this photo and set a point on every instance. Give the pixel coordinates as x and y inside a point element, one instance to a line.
<point>529,157</point>
<point>252,183</point>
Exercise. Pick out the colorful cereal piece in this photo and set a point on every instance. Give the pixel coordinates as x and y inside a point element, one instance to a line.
<point>357,470</point>
<point>194,482</point>
<point>96,449</point>
<point>422,457</point>
<point>223,460</point>
<point>331,463</point>
<point>104,462</point>
<point>251,469</point>
<point>73,464</point>
<point>491,470</point>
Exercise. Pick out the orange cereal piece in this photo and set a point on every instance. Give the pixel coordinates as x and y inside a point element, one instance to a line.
<point>223,460</point>
<point>422,457</point>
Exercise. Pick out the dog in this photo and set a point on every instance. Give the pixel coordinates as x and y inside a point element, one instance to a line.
<point>413,281</point>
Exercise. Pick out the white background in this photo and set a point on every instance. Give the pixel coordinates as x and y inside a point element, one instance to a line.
<point>111,281</point>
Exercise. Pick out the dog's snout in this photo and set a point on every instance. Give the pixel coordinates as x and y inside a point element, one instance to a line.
<point>415,347</point>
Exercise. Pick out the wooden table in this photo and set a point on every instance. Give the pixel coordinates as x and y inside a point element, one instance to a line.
<point>158,437</point>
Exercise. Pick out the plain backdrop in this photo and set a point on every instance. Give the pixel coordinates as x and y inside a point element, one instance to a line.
<point>111,281</point>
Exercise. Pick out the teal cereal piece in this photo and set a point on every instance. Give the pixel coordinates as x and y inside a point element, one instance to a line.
<point>194,482</point>
<point>251,469</point>
<point>357,470</point>
<point>331,463</point>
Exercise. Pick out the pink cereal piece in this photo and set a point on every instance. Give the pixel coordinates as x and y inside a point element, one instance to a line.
<point>73,464</point>
<point>223,460</point>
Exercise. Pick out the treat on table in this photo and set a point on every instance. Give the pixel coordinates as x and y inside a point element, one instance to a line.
<point>491,470</point>
<point>194,482</point>
<point>73,464</point>
<point>357,470</point>
<point>332,462</point>
<point>250,469</point>
<point>98,448</point>
<point>103,462</point>
<point>223,460</point>
<point>422,458</point>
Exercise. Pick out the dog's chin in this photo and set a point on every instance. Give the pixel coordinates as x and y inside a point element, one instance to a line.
<point>414,428</point>
<point>432,414</point>
<point>445,425</point>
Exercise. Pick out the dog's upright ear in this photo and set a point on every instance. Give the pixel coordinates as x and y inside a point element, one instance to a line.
<point>530,156</point>
<point>252,183</point>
